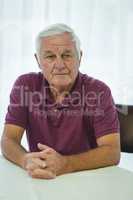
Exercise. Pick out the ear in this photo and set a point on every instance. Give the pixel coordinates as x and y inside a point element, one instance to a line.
<point>81,53</point>
<point>36,57</point>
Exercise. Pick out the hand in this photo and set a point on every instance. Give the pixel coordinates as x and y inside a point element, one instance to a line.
<point>55,162</point>
<point>35,166</point>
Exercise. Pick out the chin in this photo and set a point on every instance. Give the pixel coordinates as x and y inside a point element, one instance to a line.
<point>61,82</point>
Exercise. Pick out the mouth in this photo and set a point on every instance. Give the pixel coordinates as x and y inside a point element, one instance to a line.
<point>61,74</point>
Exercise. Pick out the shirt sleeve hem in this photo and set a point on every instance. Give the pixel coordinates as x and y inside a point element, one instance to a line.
<point>107,132</point>
<point>16,123</point>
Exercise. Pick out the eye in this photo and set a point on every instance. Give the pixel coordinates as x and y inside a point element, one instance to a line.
<point>66,56</point>
<point>50,56</point>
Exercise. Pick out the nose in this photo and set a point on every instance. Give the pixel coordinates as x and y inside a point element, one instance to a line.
<point>59,63</point>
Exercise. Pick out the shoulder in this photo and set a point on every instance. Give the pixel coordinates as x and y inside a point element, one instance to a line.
<point>31,80</point>
<point>97,92</point>
<point>93,84</point>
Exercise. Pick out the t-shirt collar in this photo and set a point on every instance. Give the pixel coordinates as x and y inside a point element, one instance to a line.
<point>66,102</point>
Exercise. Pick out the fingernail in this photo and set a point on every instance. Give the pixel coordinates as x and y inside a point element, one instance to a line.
<point>43,165</point>
<point>52,175</point>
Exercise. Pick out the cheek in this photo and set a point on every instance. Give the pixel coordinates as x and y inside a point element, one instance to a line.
<point>46,69</point>
<point>74,66</point>
<point>72,63</point>
<point>75,69</point>
<point>44,64</point>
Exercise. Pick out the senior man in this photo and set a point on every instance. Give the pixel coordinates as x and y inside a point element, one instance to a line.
<point>70,118</point>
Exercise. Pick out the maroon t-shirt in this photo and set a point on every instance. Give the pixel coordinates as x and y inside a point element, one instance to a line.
<point>71,127</point>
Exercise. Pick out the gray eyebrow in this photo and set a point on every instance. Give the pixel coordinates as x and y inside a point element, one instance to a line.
<point>50,52</point>
<point>47,52</point>
<point>67,51</point>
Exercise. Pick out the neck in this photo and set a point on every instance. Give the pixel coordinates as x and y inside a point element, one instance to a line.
<point>60,93</point>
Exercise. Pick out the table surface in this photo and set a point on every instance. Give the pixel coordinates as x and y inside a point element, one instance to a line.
<point>110,183</point>
<point>126,161</point>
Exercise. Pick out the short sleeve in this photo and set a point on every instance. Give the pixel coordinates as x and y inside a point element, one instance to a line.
<point>17,109</point>
<point>105,120</point>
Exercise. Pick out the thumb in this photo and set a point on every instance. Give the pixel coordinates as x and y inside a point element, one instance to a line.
<point>42,146</point>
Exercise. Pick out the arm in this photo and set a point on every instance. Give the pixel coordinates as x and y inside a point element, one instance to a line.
<point>106,154</point>
<point>11,144</point>
<point>15,152</point>
<point>108,151</point>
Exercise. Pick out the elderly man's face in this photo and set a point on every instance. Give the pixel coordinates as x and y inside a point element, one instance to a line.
<point>59,60</point>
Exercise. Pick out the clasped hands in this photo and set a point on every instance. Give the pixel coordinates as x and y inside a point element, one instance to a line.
<point>46,164</point>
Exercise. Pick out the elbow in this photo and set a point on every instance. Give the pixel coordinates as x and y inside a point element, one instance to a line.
<point>4,143</point>
<point>116,157</point>
<point>116,162</point>
<point>2,146</point>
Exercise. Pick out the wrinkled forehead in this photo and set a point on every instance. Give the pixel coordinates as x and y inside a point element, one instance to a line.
<point>63,40</point>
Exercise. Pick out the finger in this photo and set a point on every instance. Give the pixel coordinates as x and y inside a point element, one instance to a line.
<point>42,146</point>
<point>31,167</point>
<point>34,155</point>
<point>40,154</point>
<point>43,174</point>
<point>35,163</point>
<point>39,162</point>
<point>46,151</point>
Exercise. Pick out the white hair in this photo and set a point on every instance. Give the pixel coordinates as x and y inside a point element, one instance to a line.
<point>57,29</point>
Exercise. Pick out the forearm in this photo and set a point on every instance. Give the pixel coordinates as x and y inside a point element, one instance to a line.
<point>100,157</point>
<point>13,151</point>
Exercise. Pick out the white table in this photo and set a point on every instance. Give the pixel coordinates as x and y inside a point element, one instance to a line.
<point>126,161</point>
<point>110,183</point>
